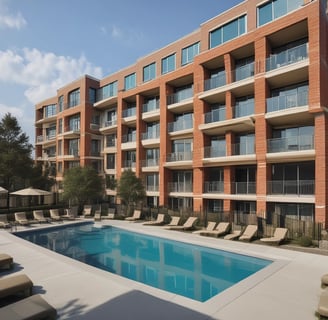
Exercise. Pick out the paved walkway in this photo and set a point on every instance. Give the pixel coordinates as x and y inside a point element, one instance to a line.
<point>287,289</point>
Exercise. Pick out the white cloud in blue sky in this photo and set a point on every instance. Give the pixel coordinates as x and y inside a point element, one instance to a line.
<point>10,20</point>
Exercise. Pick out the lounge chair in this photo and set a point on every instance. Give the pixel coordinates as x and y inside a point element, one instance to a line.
<point>69,214</point>
<point>54,215</point>
<point>39,216</point>
<point>221,229</point>
<point>87,211</point>
<point>324,281</point>
<point>20,218</point>
<point>249,233</point>
<point>4,223</point>
<point>174,222</point>
<point>210,227</point>
<point>159,221</point>
<point>188,225</point>
<point>323,304</point>
<point>136,216</point>
<point>233,235</point>
<point>279,236</point>
<point>6,261</point>
<point>110,214</point>
<point>14,285</point>
<point>97,216</point>
<point>33,307</point>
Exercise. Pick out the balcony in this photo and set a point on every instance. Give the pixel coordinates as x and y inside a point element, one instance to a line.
<point>129,115</point>
<point>284,102</point>
<point>287,57</point>
<point>214,186</point>
<point>181,125</point>
<point>72,131</point>
<point>129,164</point>
<point>288,144</point>
<point>215,82</point>
<point>150,138</point>
<point>244,72</point>
<point>243,109</point>
<point>109,126</point>
<point>150,163</point>
<point>151,110</point>
<point>214,152</point>
<point>291,187</point>
<point>129,141</point>
<point>180,187</point>
<point>179,156</point>
<point>215,115</point>
<point>152,188</point>
<point>239,149</point>
<point>248,187</point>
<point>181,101</point>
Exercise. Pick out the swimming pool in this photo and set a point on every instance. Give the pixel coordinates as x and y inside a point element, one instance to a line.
<point>191,271</point>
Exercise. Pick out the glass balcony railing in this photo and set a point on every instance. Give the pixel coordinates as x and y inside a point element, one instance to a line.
<point>215,115</point>
<point>131,137</point>
<point>244,72</point>
<point>73,152</point>
<point>130,112</point>
<point>152,188</point>
<point>179,125</point>
<point>73,128</point>
<point>287,101</point>
<point>180,96</point>
<point>239,149</point>
<point>180,187</point>
<point>179,156</point>
<point>129,164</point>
<point>214,186</point>
<point>215,82</point>
<point>110,123</point>
<point>291,187</point>
<point>150,135</point>
<point>295,143</point>
<point>248,187</point>
<point>287,57</point>
<point>151,105</point>
<point>150,163</point>
<point>243,109</point>
<point>214,152</point>
<point>110,143</point>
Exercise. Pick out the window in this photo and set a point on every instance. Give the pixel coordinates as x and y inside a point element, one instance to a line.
<point>152,182</point>
<point>60,126</point>
<point>244,144</point>
<point>152,156</point>
<point>60,147</point>
<point>168,64</point>
<point>92,95</point>
<point>95,147</point>
<point>228,31</point>
<point>107,91</point>
<point>60,103</point>
<point>275,9</point>
<point>149,72</point>
<point>130,81</point>
<point>74,98</point>
<point>110,161</point>
<point>189,53</point>
<point>51,132</point>
<point>152,131</point>
<point>74,123</point>
<point>130,159</point>
<point>50,110</point>
<point>73,147</point>
<point>111,118</point>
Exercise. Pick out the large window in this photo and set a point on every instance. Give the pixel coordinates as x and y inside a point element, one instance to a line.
<point>50,110</point>
<point>74,98</point>
<point>149,72</point>
<point>60,103</point>
<point>152,156</point>
<point>168,64</point>
<point>276,8</point>
<point>73,147</point>
<point>107,91</point>
<point>74,123</point>
<point>152,182</point>
<point>189,53</point>
<point>92,95</point>
<point>110,161</point>
<point>228,31</point>
<point>130,81</point>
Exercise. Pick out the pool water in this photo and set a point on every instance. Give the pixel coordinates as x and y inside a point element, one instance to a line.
<point>192,271</point>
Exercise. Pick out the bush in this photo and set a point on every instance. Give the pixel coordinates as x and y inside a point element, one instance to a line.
<point>305,241</point>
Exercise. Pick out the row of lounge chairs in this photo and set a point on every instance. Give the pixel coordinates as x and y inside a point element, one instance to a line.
<point>20,287</point>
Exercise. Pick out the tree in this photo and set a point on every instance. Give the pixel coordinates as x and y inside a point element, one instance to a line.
<point>82,185</point>
<point>130,189</point>
<point>16,162</point>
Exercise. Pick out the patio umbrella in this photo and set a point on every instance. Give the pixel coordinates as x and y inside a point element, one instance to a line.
<point>31,192</point>
<point>3,190</point>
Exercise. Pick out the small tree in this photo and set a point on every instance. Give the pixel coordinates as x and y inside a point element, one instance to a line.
<point>130,189</point>
<point>82,185</point>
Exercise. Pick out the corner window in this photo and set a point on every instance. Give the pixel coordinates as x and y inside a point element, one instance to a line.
<point>149,72</point>
<point>168,64</point>
<point>189,53</point>
<point>130,81</point>
<point>74,98</point>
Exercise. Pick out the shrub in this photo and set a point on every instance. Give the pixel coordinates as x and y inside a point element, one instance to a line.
<point>305,241</point>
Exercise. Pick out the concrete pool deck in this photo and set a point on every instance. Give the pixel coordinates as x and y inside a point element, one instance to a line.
<point>287,289</point>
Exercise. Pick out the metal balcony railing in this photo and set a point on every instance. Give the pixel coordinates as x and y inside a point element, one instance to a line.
<point>215,115</point>
<point>180,96</point>
<point>179,125</point>
<point>248,187</point>
<point>215,82</point>
<point>214,186</point>
<point>179,156</point>
<point>214,152</point>
<point>296,143</point>
<point>291,187</point>
<point>180,187</point>
<point>287,101</point>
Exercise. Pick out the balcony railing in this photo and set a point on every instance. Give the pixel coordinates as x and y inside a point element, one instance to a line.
<point>152,188</point>
<point>110,123</point>
<point>110,143</point>
<point>215,115</point>
<point>151,105</point>
<point>130,112</point>
<point>214,186</point>
<point>150,163</point>
<point>179,187</point>
<point>291,187</point>
<point>73,152</point>
<point>131,137</point>
<point>243,109</point>
<point>180,96</point>
<point>244,72</point>
<point>287,101</point>
<point>39,138</point>
<point>239,149</point>
<point>129,164</point>
<point>179,156</point>
<point>179,125</point>
<point>296,143</point>
<point>150,135</point>
<point>287,57</point>
<point>248,187</point>
<point>73,128</point>
<point>214,152</point>
<point>215,82</point>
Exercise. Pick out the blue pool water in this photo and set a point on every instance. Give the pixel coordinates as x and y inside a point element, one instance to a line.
<point>192,271</point>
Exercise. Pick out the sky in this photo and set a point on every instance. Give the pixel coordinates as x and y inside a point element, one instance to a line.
<point>46,44</point>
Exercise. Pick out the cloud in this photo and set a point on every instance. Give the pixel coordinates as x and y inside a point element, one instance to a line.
<point>9,20</point>
<point>116,32</point>
<point>15,111</point>
<point>42,72</point>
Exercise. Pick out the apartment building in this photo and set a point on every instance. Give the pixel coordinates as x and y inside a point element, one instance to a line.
<point>232,117</point>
